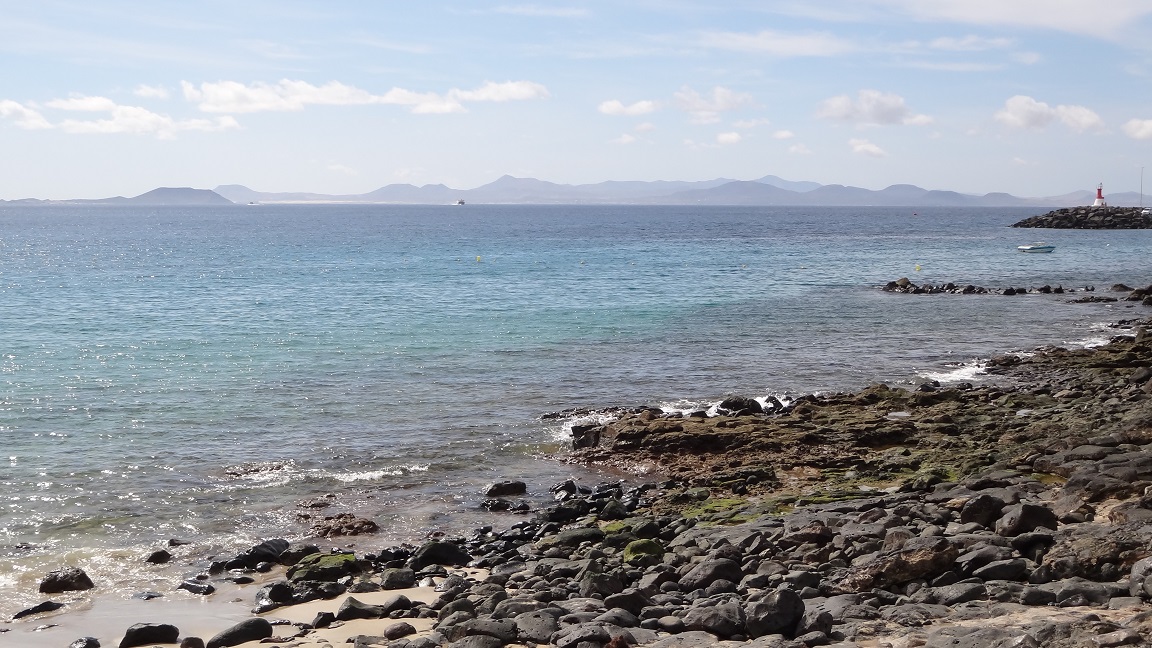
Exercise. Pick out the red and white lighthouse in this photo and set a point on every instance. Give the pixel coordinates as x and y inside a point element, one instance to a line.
<point>1099,202</point>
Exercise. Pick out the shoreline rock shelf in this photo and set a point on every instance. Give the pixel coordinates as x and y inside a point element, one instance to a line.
<point>1090,218</point>
<point>1014,513</point>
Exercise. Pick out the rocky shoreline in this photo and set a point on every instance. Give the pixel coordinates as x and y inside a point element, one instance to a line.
<point>1013,513</point>
<point>1091,218</point>
<point>1142,295</point>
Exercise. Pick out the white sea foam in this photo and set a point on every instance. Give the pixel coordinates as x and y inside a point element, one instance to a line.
<point>372,475</point>
<point>1099,334</point>
<point>956,373</point>
<point>561,432</point>
<point>685,407</point>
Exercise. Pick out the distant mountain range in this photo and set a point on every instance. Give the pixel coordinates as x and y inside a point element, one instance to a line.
<point>769,190</point>
<point>174,196</point>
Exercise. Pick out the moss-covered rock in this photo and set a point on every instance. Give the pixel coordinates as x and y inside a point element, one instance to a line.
<point>643,551</point>
<point>324,567</point>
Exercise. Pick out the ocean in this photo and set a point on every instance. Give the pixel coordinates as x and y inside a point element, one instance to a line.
<point>213,374</point>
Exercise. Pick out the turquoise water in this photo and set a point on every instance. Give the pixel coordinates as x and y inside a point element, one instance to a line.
<point>198,372</point>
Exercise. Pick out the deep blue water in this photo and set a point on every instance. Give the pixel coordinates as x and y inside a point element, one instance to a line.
<point>197,372</point>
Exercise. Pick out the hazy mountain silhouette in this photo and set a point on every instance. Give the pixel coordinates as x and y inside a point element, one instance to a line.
<point>769,190</point>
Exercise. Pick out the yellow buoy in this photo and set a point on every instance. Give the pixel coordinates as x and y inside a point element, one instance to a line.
<point>477,259</point>
<point>917,267</point>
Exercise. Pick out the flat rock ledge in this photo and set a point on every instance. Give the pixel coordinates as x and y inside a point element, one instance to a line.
<point>1090,218</point>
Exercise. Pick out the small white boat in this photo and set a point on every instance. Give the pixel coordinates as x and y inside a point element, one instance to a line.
<point>460,202</point>
<point>1036,247</point>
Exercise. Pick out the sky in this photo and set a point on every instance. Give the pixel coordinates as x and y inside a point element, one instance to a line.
<point>1029,97</point>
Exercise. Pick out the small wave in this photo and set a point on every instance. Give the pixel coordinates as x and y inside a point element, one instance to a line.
<point>1099,334</point>
<point>561,431</point>
<point>370,475</point>
<point>685,407</point>
<point>957,372</point>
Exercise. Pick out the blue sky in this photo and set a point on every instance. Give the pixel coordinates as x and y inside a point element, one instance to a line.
<point>1030,97</point>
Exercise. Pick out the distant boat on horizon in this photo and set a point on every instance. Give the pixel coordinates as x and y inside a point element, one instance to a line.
<point>459,202</point>
<point>1035,248</point>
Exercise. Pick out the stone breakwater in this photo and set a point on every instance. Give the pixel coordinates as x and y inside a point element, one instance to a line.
<point>904,285</point>
<point>1090,218</point>
<point>1011,514</point>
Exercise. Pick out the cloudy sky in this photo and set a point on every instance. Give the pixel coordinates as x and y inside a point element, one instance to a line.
<point>1030,97</point>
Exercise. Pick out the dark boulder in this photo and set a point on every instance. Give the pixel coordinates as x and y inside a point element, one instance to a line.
<point>197,587</point>
<point>1022,518</point>
<point>397,578</point>
<point>983,509</point>
<point>927,559</point>
<point>159,557</point>
<point>142,634</point>
<point>65,580</point>
<point>722,620</point>
<point>439,553</point>
<point>506,489</point>
<point>266,551</point>
<point>46,606</point>
<point>779,612</point>
<point>247,630</point>
<point>709,570</point>
<point>739,406</point>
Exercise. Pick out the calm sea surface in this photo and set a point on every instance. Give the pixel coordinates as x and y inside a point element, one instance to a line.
<point>196,373</point>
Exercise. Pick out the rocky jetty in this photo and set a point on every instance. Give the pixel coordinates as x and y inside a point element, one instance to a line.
<point>1017,513</point>
<point>1091,218</point>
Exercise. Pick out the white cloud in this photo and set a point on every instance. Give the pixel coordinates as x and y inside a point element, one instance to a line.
<point>23,116</point>
<point>344,169</point>
<point>626,138</point>
<point>1026,58</point>
<point>871,107</point>
<point>783,135</point>
<point>289,95</point>
<point>1079,118</point>
<point>1140,129</point>
<point>120,119</point>
<point>864,147</point>
<point>799,149</point>
<point>706,110</point>
<point>617,107</point>
<point>151,92</point>
<point>507,91</point>
<point>1025,112</point>
<point>1101,19</point>
<point>728,138</point>
<point>750,123</point>
<point>85,104</point>
<point>644,127</point>
<point>136,120</point>
<point>778,43</point>
<point>958,66</point>
<point>970,43</point>
<point>540,11</point>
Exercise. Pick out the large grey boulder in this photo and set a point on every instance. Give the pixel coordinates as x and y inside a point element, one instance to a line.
<point>709,570</point>
<point>779,612</point>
